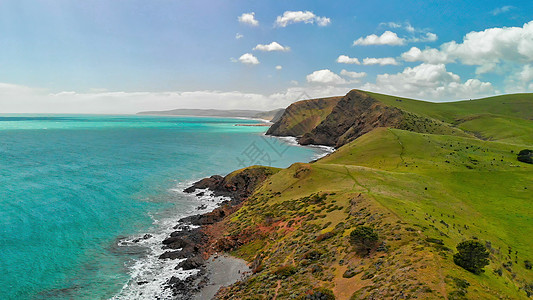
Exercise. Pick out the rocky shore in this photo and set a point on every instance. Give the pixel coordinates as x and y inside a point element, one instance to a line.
<point>197,239</point>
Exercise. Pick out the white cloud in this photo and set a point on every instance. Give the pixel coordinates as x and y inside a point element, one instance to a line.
<point>486,49</point>
<point>380,61</point>
<point>431,82</point>
<point>274,46</point>
<point>325,76</point>
<point>501,10</point>
<point>414,33</point>
<point>344,59</point>
<point>248,59</point>
<point>353,75</point>
<point>248,18</point>
<point>520,81</point>
<point>391,24</point>
<point>290,17</point>
<point>429,37</point>
<point>430,55</point>
<point>387,38</point>
<point>238,36</point>
<point>278,67</point>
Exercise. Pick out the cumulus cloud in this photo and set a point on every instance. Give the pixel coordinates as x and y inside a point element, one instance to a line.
<point>428,37</point>
<point>278,67</point>
<point>291,17</point>
<point>274,46</point>
<point>387,38</point>
<point>248,59</point>
<point>431,82</point>
<point>344,59</point>
<point>380,61</point>
<point>521,81</point>
<point>430,55</point>
<point>325,76</point>
<point>248,18</point>
<point>486,49</point>
<point>353,75</point>
<point>238,36</point>
<point>416,35</point>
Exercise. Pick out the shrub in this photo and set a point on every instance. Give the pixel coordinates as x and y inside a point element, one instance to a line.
<point>285,271</point>
<point>321,294</point>
<point>527,264</point>
<point>364,238</point>
<point>526,156</point>
<point>472,256</point>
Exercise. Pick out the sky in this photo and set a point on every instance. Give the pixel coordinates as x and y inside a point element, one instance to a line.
<point>125,56</point>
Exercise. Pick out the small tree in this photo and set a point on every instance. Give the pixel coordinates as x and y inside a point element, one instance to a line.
<point>472,256</point>
<point>364,238</point>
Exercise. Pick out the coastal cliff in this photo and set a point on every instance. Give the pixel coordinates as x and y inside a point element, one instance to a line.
<point>339,120</point>
<point>410,174</point>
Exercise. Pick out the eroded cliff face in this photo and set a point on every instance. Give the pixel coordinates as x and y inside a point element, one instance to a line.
<point>343,119</point>
<point>354,115</point>
<point>302,116</point>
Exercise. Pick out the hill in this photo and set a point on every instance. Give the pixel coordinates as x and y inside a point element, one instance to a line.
<point>421,193</point>
<point>423,176</point>
<point>506,118</point>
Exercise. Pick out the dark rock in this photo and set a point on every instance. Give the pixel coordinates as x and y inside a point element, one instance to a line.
<point>211,183</point>
<point>191,263</point>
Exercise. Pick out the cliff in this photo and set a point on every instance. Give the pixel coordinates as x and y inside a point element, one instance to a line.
<point>343,119</point>
<point>302,116</point>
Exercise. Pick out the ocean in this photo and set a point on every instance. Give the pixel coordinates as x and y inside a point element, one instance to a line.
<point>85,200</point>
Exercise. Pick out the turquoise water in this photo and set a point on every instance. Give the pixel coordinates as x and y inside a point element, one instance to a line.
<point>72,186</point>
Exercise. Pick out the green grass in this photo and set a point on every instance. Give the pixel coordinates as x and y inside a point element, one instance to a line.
<point>408,186</point>
<point>507,118</point>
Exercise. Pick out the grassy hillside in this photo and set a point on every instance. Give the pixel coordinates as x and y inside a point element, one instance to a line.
<point>409,187</point>
<point>339,120</point>
<point>449,174</point>
<point>507,118</point>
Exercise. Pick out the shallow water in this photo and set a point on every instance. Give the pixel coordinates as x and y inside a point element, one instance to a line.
<point>72,187</point>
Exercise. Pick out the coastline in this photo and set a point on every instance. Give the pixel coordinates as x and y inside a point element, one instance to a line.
<point>189,244</point>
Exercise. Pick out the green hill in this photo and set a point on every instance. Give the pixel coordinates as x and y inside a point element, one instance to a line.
<point>507,118</point>
<point>422,193</point>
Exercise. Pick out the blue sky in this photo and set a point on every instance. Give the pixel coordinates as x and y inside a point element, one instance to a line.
<point>121,56</point>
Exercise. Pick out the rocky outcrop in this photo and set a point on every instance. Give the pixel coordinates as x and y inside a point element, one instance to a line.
<point>196,244</point>
<point>237,185</point>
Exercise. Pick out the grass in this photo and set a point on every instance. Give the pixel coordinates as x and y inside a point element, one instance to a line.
<point>422,193</point>
<point>508,117</point>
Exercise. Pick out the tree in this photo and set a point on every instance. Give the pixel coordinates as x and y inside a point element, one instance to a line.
<point>364,238</point>
<point>526,156</point>
<point>472,256</point>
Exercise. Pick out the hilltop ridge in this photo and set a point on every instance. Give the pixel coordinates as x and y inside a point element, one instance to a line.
<point>358,112</point>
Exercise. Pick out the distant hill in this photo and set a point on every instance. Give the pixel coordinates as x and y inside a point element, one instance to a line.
<point>257,114</point>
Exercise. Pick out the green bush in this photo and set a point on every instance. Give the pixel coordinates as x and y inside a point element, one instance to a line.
<point>472,256</point>
<point>285,271</point>
<point>364,238</point>
<point>526,156</point>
